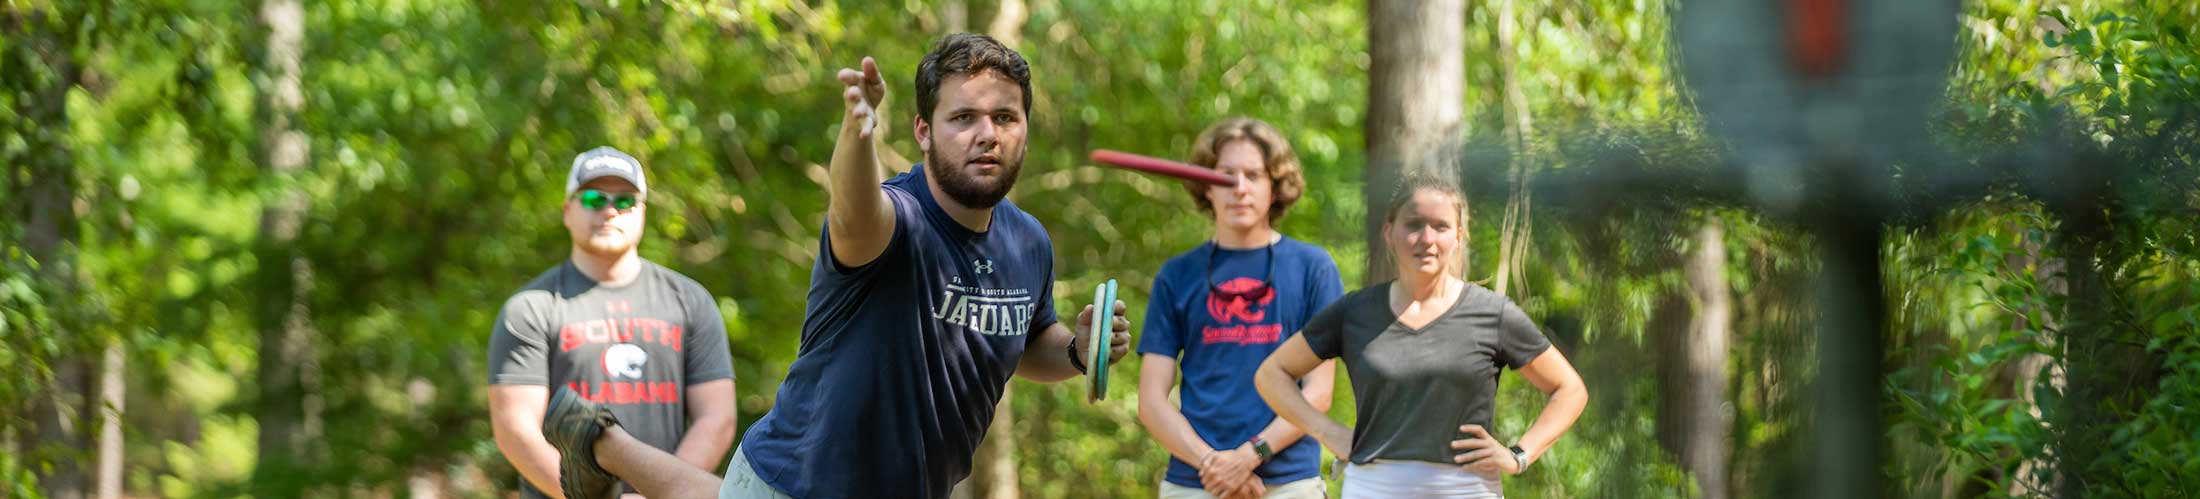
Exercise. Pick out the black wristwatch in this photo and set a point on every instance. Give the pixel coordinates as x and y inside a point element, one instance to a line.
<point>1520,456</point>
<point>1260,447</point>
<point>1074,359</point>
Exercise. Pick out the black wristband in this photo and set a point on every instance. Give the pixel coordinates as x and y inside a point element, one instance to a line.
<point>1074,361</point>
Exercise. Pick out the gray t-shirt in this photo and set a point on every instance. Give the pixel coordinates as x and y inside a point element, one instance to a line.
<point>1414,388</point>
<point>635,348</point>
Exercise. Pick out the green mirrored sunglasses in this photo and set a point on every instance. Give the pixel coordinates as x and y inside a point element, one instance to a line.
<point>595,200</point>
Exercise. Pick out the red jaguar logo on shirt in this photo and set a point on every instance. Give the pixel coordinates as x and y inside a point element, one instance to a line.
<point>1238,306</point>
<point>1243,299</point>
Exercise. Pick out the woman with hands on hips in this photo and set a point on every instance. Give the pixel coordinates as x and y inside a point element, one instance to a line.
<point>1424,352</point>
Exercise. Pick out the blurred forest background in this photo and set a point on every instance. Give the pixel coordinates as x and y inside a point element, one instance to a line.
<point>253,248</point>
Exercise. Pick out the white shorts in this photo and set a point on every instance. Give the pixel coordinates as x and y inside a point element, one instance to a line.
<point>1384,479</point>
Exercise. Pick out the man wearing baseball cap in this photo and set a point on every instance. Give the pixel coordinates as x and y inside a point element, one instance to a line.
<point>617,330</point>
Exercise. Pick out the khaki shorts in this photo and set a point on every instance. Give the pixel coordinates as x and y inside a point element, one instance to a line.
<point>742,482</point>
<point>1310,488</point>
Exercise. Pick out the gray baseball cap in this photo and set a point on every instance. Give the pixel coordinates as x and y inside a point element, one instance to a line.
<point>605,162</point>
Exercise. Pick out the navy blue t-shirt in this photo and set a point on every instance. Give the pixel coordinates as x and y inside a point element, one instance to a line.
<point>1219,339</point>
<point>904,357</point>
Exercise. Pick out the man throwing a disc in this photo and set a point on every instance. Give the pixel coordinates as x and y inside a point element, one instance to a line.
<point>929,291</point>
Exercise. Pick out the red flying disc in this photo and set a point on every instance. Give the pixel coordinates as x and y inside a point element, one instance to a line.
<point>1151,164</point>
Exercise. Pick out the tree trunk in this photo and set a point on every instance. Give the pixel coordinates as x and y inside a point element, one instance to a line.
<point>50,227</point>
<point>993,473</point>
<point>1693,417</point>
<point>2105,380</point>
<point>426,480</point>
<point>424,484</point>
<point>1512,248</point>
<point>108,480</point>
<point>61,434</point>
<point>994,476</point>
<point>955,16</point>
<point>2083,431</point>
<point>288,414</point>
<point>2016,378</point>
<point>1416,84</point>
<point>1008,24</point>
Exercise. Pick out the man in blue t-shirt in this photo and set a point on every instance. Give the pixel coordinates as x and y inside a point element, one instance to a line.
<point>929,292</point>
<point>1218,311</point>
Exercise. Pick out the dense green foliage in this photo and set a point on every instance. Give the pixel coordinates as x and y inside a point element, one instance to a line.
<point>439,130</point>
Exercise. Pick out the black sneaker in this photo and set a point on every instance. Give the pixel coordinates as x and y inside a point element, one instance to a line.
<point>572,424</point>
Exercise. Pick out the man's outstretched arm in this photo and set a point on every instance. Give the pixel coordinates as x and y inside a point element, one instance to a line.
<point>859,218</point>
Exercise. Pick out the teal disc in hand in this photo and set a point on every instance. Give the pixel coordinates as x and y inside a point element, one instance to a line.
<point>1102,331</point>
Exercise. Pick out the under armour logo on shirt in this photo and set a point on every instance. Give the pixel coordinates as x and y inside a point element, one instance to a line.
<point>984,266</point>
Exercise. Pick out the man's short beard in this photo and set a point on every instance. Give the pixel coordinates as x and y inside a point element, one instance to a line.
<point>606,249</point>
<point>968,191</point>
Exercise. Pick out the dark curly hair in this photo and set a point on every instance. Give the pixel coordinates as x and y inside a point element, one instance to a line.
<point>967,54</point>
